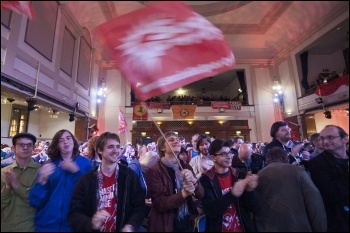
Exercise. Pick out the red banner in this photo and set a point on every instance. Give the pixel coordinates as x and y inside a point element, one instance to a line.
<point>122,123</point>
<point>140,112</point>
<point>164,46</point>
<point>235,105</point>
<point>20,7</point>
<point>329,88</point>
<point>155,105</point>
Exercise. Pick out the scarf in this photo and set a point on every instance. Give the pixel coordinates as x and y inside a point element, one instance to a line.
<point>100,184</point>
<point>183,210</point>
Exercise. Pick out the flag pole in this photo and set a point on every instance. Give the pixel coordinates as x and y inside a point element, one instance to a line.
<point>161,132</point>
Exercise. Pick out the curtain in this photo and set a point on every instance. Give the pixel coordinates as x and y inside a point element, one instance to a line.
<point>241,79</point>
<point>304,69</point>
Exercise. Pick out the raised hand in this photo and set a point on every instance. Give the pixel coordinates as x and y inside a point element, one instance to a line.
<point>45,171</point>
<point>99,218</point>
<point>239,187</point>
<point>252,181</point>
<point>11,179</point>
<point>69,165</point>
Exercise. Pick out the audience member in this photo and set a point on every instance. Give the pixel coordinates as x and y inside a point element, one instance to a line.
<point>202,162</point>
<point>247,161</point>
<point>182,156</point>
<point>52,192</point>
<point>120,203</point>
<point>92,154</point>
<point>191,148</point>
<point>330,172</point>
<point>42,156</point>
<point>171,187</point>
<point>228,202</point>
<point>281,137</point>
<point>237,142</point>
<point>293,206</point>
<point>318,148</point>
<point>16,179</point>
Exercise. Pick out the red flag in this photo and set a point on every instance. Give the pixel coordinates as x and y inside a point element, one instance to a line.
<point>20,7</point>
<point>163,46</point>
<point>122,123</point>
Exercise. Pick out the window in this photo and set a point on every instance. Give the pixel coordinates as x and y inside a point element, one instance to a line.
<point>19,120</point>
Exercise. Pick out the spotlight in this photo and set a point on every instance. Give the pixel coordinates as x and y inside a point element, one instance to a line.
<point>71,117</point>
<point>32,104</point>
<point>11,99</point>
<point>319,100</point>
<point>328,114</point>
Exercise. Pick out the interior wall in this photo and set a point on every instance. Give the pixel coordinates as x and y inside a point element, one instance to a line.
<point>339,118</point>
<point>264,110</point>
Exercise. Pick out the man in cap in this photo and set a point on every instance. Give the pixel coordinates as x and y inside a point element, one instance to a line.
<point>16,181</point>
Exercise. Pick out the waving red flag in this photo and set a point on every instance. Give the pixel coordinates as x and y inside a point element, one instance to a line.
<point>122,123</point>
<point>163,46</point>
<point>20,7</point>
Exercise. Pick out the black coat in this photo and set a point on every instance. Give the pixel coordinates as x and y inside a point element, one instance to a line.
<point>331,177</point>
<point>131,201</point>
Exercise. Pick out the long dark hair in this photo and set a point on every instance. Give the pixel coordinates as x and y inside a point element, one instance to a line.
<point>53,150</point>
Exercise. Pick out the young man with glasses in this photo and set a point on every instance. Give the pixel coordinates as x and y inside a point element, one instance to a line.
<point>330,172</point>
<point>228,202</point>
<point>16,180</point>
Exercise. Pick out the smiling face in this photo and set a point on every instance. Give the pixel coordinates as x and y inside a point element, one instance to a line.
<point>110,152</point>
<point>331,140</point>
<point>170,146</point>
<point>222,159</point>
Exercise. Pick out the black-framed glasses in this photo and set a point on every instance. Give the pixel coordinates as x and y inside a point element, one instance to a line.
<point>22,145</point>
<point>225,154</point>
<point>329,138</point>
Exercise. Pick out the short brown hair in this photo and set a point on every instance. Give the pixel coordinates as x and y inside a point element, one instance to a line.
<point>161,142</point>
<point>276,154</point>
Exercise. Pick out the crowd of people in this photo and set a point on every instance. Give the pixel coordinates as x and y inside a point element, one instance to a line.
<point>101,185</point>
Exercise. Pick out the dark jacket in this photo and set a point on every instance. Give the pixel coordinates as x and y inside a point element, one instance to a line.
<point>291,201</point>
<point>131,201</point>
<point>254,164</point>
<point>215,204</point>
<point>164,201</point>
<point>331,177</point>
<point>297,160</point>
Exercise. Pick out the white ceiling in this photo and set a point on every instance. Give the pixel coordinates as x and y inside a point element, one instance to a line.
<point>255,29</point>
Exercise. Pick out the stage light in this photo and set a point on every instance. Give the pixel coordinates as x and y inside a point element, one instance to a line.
<point>71,117</point>
<point>319,100</point>
<point>328,114</point>
<point>31,104</point>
